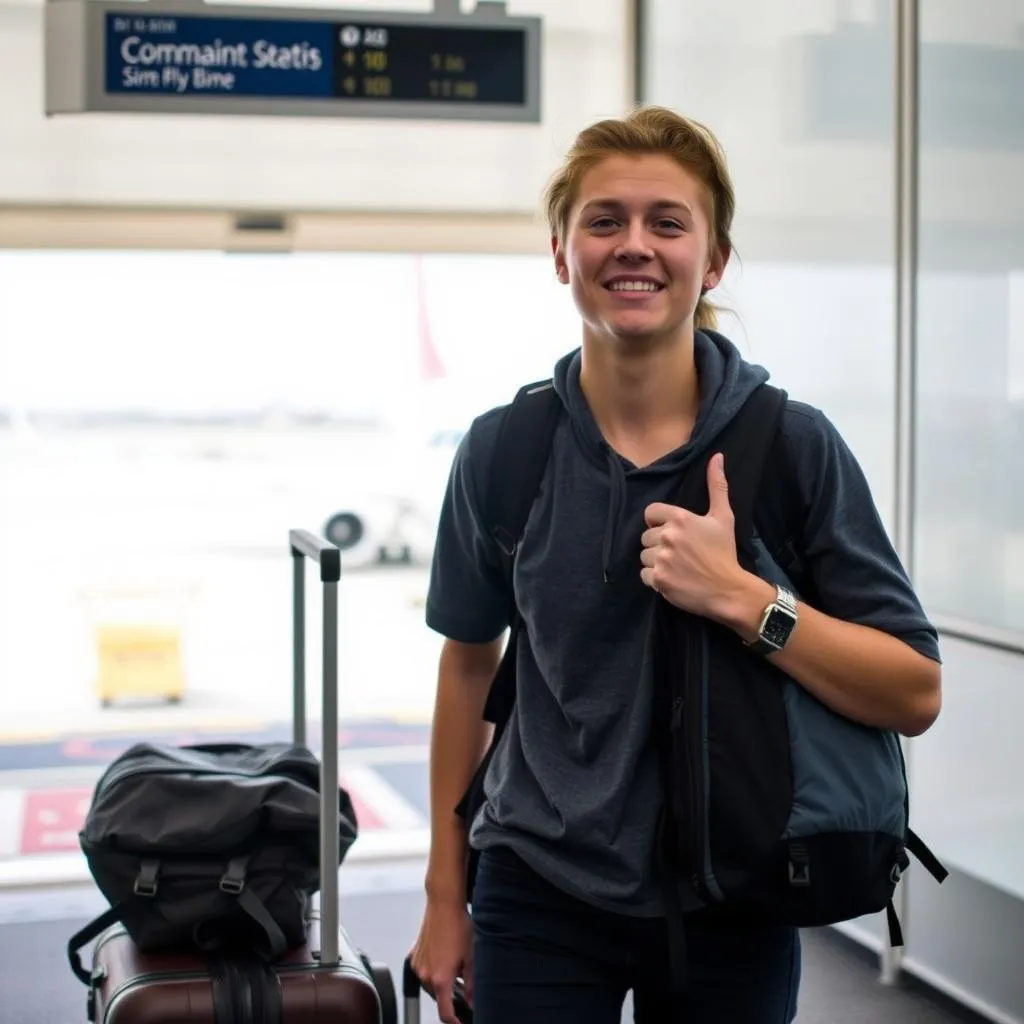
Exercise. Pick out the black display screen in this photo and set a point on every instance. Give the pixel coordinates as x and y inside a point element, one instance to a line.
<point>374,61</point>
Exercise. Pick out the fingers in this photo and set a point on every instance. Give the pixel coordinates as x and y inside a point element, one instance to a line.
<point>658,513</point>
<point>718,488</point>
<point>439,985</point>
<point>445,1005</point>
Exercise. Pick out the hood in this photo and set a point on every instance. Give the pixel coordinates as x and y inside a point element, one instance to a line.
<point>725,381</point>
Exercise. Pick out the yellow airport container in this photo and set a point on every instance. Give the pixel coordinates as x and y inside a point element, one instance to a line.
<point>139,661</point>
<point>138,643</point>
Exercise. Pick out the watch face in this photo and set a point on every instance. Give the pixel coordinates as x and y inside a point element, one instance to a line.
<point>778,627</point>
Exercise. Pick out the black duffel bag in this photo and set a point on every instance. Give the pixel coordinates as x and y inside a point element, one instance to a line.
<point>208,847</point>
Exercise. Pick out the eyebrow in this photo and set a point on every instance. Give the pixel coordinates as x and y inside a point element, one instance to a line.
<point>660,204</point>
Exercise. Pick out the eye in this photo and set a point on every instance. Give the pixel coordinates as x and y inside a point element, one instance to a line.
<point>603,223</point>
<point>668,224</point>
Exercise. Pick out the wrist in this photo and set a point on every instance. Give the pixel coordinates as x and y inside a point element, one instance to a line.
<point>744,608</point>
<point>445,890</point>
<point>445,877</point>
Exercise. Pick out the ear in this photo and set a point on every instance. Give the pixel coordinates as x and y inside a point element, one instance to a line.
<point>718,258</point>
<point>561,267</point>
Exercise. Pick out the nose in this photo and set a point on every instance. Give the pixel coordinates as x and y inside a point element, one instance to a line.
<point>634,246</point>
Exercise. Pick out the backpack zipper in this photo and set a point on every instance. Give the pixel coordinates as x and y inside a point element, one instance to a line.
<point>696,827</point>
<point>689,726</point>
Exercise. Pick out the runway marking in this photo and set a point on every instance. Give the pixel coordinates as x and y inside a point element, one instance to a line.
<point>51,820</point>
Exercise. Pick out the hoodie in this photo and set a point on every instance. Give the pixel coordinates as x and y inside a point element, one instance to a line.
<point>573,787</point>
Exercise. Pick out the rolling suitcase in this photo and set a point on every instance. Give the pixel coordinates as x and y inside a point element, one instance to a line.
<point>326,979</point>
<point>411,989</point>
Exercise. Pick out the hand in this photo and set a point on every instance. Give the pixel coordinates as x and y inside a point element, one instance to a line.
<point>443,951</point>
<point>691,560</point>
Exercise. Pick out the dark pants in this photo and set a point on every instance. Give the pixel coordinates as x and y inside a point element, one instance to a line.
<point>543,957</point>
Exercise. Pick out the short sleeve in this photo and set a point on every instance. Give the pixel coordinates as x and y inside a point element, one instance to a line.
<point>467,598</point>
<point>856,573</point>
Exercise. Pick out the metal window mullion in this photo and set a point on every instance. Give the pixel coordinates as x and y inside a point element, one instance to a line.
<point>906,262</point>
<point>906,71</point>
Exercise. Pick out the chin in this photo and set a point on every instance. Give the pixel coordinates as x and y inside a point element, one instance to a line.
<point>636,330</point>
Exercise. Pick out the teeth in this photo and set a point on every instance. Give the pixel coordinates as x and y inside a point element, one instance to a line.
<point>634,286</point>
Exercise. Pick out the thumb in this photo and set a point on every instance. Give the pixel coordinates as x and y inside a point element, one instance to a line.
<point>718,487</point>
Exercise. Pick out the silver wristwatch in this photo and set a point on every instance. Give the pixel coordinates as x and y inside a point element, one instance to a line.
<point>777,624</point>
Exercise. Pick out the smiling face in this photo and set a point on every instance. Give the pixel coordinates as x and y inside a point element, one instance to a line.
<point>637,250</point>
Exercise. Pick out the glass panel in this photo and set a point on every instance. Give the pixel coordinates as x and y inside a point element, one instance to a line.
<point>969,533</point>
<point>801,95</point>
<point>969,557</point>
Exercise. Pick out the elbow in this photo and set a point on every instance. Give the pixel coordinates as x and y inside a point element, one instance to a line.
<point>923,710</point>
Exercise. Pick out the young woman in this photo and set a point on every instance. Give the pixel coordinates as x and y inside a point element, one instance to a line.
<point>566,913</point>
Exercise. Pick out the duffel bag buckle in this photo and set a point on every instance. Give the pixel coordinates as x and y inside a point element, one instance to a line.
<point>233,879</point>
<point>146,884</point>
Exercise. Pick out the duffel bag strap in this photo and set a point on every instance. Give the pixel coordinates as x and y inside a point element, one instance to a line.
<point>233,882</point>
<point>145,887</point>
<point>92,930</point>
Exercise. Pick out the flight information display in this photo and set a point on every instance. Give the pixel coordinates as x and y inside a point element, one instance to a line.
<point>344,60</point>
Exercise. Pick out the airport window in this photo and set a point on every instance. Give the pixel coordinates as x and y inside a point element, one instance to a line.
<point>165,419</point>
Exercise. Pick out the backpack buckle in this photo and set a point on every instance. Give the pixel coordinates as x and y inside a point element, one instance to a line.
<point>799,874</point>
<point>799,866</point>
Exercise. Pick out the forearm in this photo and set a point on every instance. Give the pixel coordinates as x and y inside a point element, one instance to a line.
<point>862,673</point>
<point>459,737</point>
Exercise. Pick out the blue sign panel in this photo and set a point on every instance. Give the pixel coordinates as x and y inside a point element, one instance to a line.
<point>243,57</point>
<point>218,56</point>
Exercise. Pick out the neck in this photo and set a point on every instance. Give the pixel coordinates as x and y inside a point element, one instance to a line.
<point>641,387</point>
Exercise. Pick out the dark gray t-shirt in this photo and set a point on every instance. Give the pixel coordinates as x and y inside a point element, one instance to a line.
<point>573,786</point>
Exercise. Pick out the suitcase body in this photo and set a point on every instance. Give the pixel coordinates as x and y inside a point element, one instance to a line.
<point>130,987</point>
<point>324,980</point>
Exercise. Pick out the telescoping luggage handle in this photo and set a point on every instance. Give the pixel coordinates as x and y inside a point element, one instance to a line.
<point>328,557</point>
<point>411,987</point>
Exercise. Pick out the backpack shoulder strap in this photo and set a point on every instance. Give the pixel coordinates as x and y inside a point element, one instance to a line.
<point>780,515</point>
<point>517,466</point>
<point>518,462</point>
<point>746,443</point>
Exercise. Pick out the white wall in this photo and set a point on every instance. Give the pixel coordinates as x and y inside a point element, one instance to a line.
<point>310,163</point>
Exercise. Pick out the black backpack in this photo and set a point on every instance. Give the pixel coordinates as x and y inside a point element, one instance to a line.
<point>213,848</point>
<point>753,819</point>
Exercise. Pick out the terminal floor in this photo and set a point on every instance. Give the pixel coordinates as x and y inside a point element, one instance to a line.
<point>380,909</point>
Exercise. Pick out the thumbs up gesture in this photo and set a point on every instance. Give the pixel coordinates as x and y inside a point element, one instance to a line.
<point>689,559</point>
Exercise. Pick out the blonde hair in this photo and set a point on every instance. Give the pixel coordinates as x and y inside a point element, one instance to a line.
<point>650,130</point>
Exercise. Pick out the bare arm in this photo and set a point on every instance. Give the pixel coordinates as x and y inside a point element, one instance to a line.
<point>863,673</point>
<point>458,741</point>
